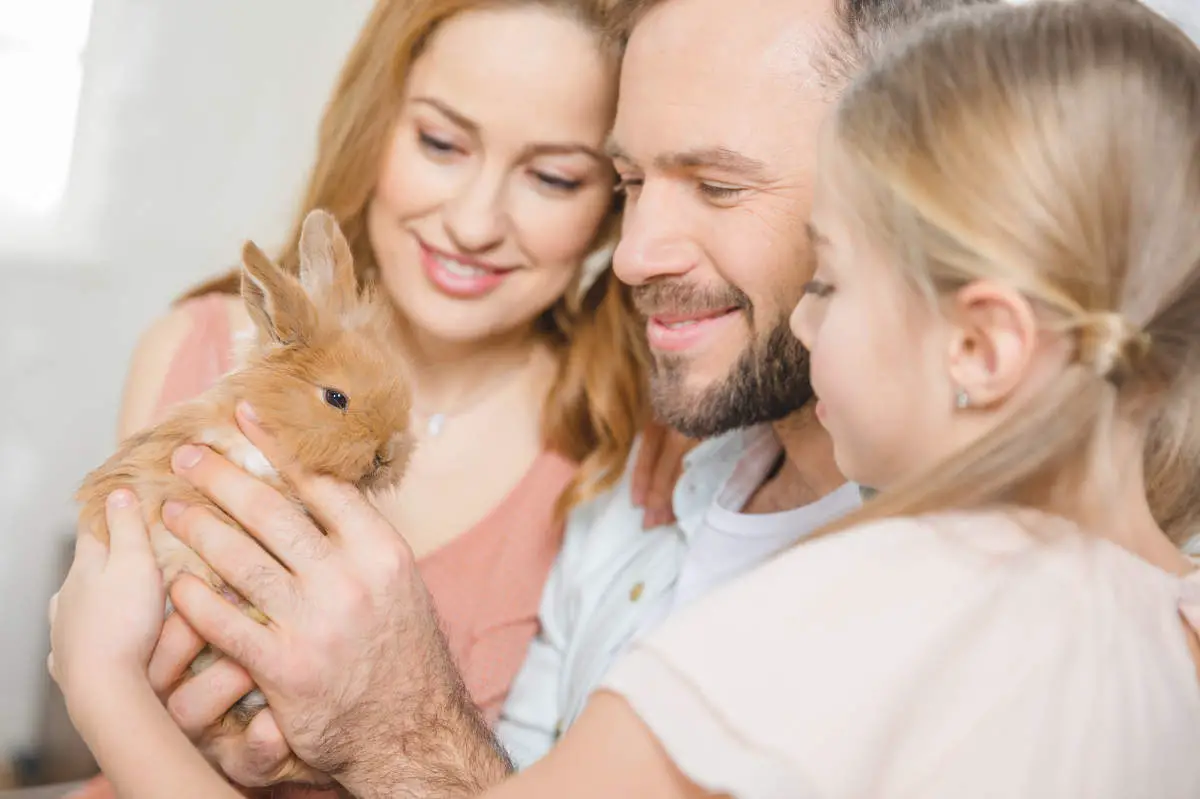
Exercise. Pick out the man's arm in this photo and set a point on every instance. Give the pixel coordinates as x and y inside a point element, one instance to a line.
<point>353,662</point>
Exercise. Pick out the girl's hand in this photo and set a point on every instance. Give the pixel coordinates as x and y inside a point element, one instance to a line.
<point>107,616</point>
<point>659,465</point>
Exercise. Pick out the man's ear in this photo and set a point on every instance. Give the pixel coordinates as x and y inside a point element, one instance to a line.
<point>277,303</point>
<point>326,265</point>
<point>994,337</point>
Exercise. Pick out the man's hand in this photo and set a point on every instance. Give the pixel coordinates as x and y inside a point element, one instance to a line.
<point>352,661</point>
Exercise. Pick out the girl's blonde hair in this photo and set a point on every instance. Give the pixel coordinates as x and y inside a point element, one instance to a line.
<point>1054,147</point>
<point>598,402</point>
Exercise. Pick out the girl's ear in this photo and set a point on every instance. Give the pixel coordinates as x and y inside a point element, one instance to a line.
<point>994,336</point>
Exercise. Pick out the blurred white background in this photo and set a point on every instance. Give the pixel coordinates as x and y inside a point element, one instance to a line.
<point>140,142</point>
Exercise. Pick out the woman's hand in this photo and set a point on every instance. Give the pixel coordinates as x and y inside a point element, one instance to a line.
<point>659,465</point>
<point>352,661</point>
<point>107,616</point>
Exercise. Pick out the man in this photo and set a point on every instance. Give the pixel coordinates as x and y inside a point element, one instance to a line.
<point>715,138</point>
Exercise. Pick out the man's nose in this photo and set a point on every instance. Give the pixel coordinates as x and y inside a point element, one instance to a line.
<point>656,241</point>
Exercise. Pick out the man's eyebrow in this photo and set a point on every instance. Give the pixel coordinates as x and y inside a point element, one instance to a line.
<point>722,158</point>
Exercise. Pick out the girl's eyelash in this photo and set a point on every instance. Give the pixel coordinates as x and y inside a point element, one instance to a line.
<point>818,288</point>
<point>555,182</point>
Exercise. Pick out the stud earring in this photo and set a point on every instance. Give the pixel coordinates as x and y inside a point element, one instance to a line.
<point>962,400</point>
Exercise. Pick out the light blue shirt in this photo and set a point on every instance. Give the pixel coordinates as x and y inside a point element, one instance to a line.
<point>613,580</point>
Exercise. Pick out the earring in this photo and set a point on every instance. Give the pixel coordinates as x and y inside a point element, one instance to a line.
<point>962,400</point>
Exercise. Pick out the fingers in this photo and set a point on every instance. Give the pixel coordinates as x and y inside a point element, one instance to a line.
<point>127,532</point>
<point>256,757</point>
<point>340,508</point>
<point>235,557</point>
<point>223,625</point>
<point>178,644</point>
<point>652,439</point>
<point>264,512</point>
<point>202,700</point>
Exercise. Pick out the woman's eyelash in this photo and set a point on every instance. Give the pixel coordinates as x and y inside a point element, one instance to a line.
<point>435,144</point>
<point>818,288</point>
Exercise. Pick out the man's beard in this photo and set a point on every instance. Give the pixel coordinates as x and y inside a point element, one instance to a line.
<point>768,382</point>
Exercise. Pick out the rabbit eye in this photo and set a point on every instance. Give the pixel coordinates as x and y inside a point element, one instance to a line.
<point>380,460</point>
<point>336,398</point>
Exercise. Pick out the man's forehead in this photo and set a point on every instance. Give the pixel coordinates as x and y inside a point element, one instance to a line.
<point>764,35</point>
<point>700,74</point>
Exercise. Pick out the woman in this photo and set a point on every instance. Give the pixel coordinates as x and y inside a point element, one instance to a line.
<point>1017,248</point>
<point>462,153</point>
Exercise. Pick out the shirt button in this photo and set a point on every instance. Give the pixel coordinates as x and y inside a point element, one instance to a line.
<point>635,593</point>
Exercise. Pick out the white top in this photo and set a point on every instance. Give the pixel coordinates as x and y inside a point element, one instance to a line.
<point>945,657</point>
<point>613,580</point>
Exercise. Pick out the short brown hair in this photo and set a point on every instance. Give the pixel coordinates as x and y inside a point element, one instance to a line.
<point>861,29</point>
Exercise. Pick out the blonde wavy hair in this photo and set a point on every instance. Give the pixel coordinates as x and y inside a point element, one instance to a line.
<point>1054,147</point>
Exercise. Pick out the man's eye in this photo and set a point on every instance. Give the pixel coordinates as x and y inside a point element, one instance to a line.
<point>718,191</point>
<point>627,185</point>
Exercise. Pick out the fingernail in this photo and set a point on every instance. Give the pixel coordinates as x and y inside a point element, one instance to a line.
<point>186,457</point>
<point>121,498</point>
<point>172,510</point>
<point>247,412</point>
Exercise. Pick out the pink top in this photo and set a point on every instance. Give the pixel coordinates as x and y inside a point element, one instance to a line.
<point>486,583</point>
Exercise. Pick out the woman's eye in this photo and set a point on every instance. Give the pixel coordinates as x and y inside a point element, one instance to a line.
<point>336,399</point>
<point>435,144</point>
<point>818,288</point>
<point>556,182</point>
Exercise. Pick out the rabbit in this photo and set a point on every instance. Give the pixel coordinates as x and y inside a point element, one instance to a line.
<point>323,374</point>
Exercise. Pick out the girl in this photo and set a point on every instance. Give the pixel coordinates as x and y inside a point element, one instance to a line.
<point>1007,231</point>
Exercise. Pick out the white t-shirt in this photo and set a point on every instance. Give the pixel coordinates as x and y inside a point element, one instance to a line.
<point>945,657</point>
<point>614,581</point>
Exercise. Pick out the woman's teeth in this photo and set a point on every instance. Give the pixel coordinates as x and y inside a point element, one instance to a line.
<point>459,268</point>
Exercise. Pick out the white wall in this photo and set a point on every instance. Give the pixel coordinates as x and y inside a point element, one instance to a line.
<point>195,131</point>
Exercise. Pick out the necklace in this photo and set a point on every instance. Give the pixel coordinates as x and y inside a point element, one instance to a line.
<point>435,422</point>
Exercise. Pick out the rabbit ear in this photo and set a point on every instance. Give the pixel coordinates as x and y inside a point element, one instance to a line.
<point>276,301</point>
<point>326,265</point>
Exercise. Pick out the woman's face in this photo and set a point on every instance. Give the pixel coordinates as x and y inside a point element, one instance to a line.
<point>495,182</point>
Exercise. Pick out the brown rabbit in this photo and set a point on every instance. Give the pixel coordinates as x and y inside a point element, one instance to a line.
<point>322,376</point>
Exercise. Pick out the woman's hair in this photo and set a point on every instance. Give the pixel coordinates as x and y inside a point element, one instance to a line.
<point>1054,147</point>
<point>597,404</point>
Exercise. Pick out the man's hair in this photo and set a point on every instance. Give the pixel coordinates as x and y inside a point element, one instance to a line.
<point>862,28</point>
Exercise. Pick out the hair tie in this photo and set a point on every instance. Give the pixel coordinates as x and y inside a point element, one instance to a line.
<point>1112,346</point>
